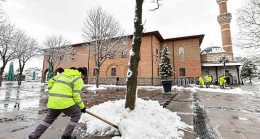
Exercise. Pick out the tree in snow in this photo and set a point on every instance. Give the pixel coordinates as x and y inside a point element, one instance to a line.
<point>249,70</point>
<point>132,73</point>
<point>26,48</point>
<point>165,68</point>
<point>134,57</point>
<point>1,12</point>
<point>249,24</point>
<point>104,36</point>
<point>57,50</point>
<point>7,47</point>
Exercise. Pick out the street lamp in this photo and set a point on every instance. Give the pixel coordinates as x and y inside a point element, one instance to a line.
<point>224,60</point>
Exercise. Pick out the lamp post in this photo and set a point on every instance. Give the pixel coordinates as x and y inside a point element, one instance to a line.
<point>224,59</point>
<point>88,66</point>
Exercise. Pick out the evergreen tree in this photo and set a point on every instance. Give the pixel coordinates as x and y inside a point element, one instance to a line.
<point>249,70</point>
<point>165,66</point>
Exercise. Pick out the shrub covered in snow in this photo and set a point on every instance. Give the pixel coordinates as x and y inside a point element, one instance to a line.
<point>165,66</point>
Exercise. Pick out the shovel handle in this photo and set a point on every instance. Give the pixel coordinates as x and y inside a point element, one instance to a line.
<point>115,126</point>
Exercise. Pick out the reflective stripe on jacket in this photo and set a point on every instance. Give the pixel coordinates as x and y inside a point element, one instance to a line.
<point>201,81</point>
<point>222,80</point>
<point>208,78</point>
<point>64,90</point>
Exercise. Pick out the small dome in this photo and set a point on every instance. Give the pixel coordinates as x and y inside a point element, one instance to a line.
<point>213,50</point>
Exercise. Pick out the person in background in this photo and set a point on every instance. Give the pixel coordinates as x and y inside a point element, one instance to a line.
<point>208,79</point>
<point>64,97</point>
<point>201,81</point>
<point>117,80</point>
<point>222,81</point>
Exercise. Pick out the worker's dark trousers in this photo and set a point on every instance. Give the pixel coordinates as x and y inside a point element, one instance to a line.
<point>73,111</point>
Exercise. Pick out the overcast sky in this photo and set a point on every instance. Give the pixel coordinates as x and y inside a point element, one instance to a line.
<point>175,18</point>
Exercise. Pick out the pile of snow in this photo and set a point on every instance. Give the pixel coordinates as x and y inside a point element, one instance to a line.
<point>218,90</point>
<point>104,87</point>
<point>94,88</point>
<point>147,120</point>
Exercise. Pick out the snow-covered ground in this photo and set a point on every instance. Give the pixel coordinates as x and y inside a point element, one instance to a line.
<point>149,119</point>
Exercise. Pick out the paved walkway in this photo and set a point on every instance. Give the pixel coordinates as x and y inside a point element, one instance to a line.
<point>213,115</point>
<point>232,116</point>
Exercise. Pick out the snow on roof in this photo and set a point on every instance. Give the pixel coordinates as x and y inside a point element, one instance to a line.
<point>213,49</point>
<point>220,64</point>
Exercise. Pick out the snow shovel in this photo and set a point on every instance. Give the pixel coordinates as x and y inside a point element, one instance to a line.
<point>115,126</point>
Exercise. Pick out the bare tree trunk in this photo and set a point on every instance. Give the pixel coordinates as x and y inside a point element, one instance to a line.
<point>21,73</point>
<point>1,77</point>
<point>134,58</point>
<point>1,73</point>
<point>20,78</point>
<point>97,78</point>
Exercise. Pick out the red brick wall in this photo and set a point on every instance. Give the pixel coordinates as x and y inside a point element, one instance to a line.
<point>148,65</point>
<point>190,60</point>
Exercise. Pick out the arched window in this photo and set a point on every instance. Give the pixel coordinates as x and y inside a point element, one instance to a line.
<point>95,71</point>
<point>181,51</point>
<point>124,54</point>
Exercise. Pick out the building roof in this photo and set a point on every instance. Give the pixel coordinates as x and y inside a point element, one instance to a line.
<point>220,64</point>
<point>213,50</point>
<point>201,36</point>
<point>160,38</point>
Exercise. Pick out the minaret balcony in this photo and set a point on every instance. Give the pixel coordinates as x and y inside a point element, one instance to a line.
<point>219,1</point>
<point>224,18</point>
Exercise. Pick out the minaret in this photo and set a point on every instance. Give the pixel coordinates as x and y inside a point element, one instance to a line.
<point>224,20</point>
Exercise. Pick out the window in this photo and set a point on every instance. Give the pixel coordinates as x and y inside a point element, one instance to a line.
<point>95,72</point>
<point>181,51</point>
<point>124,54</point>
<point>226,72</point>
<point>62,58</point>
<point>47,57</point>
<point>73,57</point>
<point>182,72</point>
<point>113,71</point>
<point>110,55</point>
<point>157,53</point>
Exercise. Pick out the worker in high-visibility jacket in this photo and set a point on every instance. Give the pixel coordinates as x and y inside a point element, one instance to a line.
<point>222,82</point>
<point>201,81</point>
<point>208,79</point>
<point>64,97</point>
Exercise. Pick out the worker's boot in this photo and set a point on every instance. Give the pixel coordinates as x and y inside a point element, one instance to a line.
<point>30,137</point>
<point>68,137</point>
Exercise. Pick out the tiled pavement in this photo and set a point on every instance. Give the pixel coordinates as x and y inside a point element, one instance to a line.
<point>228,115</point>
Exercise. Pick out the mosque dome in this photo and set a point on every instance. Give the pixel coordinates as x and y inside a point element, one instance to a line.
<point>213,50</point>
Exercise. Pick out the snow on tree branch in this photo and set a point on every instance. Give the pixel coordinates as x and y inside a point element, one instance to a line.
<point>57,50</point>
<point>249,24</point>
<point>157,3</point>
<point>104,36</point>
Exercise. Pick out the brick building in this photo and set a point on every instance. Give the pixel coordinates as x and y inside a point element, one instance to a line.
<point>184,57</point>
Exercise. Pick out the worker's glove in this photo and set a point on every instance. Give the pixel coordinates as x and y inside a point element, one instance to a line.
<point>83,110</point>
